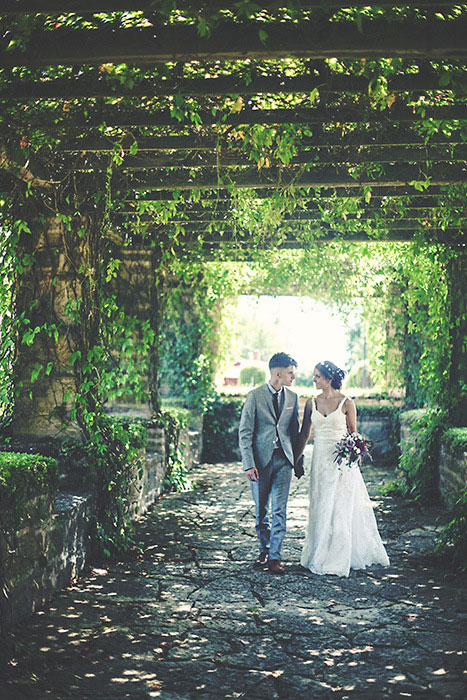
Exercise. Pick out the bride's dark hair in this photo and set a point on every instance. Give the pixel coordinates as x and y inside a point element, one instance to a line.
<point>332,372</point>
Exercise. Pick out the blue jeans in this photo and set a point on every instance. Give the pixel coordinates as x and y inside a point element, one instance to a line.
<point>272,488</point>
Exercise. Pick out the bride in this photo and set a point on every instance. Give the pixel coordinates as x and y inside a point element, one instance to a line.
<point>341,532</point>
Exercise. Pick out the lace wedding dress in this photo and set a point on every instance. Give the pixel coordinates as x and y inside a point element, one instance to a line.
<point>341,533</point>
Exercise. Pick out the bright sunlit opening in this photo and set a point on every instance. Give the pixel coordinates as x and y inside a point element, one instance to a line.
<point>307,329</point>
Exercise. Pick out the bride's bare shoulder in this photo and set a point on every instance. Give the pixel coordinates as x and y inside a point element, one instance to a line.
<point>348,403</point>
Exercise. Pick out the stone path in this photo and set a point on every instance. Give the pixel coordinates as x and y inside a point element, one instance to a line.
<point>191,619</point>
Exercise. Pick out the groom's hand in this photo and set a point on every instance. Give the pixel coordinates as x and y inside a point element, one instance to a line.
<point>298,468</point>
<point>298,471</point>
<point>252,474</point>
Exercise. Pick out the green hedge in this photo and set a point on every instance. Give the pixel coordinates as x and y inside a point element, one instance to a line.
<point>413,415</point>
<point>23,477</point>
<point>371,410</point>
<point>28,474</point>
<point>220,430</point>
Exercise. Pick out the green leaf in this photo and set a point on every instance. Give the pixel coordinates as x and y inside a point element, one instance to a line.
<point>75,356</point>
<point>35,373</point>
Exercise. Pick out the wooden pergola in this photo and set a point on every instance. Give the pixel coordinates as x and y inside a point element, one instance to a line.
<point>351,125</point>
<point>272,69</point>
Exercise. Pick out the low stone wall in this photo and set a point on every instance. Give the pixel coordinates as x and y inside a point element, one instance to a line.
<point>407,435</point>
<point>51,549</point>
<point>44,555</point>
<point>452,468</point>
<point>379,424</point>
<point>149,471</point>
<point>191,440</point>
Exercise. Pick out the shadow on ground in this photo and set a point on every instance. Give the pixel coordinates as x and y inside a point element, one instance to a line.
<point>191,619</point>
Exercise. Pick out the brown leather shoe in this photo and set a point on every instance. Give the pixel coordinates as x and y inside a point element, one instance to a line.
<point>262,561</point>
<point>275,567</point>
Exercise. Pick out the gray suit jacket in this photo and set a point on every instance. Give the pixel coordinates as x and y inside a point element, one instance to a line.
<point>257,432</point>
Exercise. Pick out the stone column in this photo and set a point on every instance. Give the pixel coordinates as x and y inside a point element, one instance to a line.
<point>135,295</point>
<point>50,300</point>
<point>457,390</point>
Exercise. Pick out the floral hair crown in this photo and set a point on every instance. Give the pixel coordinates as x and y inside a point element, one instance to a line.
<point>333,371</point>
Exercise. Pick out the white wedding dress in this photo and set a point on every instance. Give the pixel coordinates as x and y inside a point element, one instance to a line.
<point>341,532</point>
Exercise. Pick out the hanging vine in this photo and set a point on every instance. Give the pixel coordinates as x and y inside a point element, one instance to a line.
<point>113,351</point>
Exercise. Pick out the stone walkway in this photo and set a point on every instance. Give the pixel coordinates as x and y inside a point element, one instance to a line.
<point>191,619</point>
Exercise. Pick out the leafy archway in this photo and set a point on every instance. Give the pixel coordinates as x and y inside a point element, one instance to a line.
<point>179,133</point>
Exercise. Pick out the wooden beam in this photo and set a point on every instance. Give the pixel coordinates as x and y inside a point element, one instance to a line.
<point>21,7</point>
<point>409,38</point>
<point>334,156</point>
<point>346,114</point>
<point>320,194</point>
<point>367,138</point>
<point>377,203</point>
<point>275,178</point>
<point>323,233</point>
<point>202,219</point>
<point>295,225</point>
<point>86,86</point>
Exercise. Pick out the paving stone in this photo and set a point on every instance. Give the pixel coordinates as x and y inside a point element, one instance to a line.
<point>384,637</point>
<point>192,619</point>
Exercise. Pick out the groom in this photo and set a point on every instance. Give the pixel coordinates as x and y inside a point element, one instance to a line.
<point>268,433</point>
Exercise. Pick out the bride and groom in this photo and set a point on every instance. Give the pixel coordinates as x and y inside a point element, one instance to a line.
<point>341,531</point>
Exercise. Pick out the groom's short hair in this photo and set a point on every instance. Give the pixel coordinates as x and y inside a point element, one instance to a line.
<point>281,359</point>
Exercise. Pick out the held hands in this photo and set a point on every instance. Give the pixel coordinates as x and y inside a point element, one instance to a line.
<point>299,469</point>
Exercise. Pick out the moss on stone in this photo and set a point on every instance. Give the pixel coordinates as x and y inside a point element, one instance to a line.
<point>455,439</point>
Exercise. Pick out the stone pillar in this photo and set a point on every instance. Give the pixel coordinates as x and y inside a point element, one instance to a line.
<point>50,300</point>
<point>132,287</point>
<point>457,280</point>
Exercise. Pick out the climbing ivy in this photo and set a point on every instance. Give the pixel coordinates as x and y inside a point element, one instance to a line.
<point>419,462</point>
<point>118,354</point>
<point>453,537</point>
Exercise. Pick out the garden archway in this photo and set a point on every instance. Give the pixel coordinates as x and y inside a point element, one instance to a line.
<point>195,131</point>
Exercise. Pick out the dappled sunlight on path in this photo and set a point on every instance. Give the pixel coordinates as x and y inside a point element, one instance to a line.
<point>192,619</point>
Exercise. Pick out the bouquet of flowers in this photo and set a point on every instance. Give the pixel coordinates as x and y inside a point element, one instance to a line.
<point>351,449</point>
